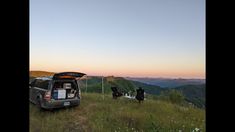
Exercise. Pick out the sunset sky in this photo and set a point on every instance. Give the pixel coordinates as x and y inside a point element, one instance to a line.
<point>135,38</point>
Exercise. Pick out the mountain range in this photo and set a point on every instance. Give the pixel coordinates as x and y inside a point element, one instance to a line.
<point>167,82</point>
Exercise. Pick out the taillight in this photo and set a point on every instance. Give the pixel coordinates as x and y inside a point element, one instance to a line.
<point>47,96</point>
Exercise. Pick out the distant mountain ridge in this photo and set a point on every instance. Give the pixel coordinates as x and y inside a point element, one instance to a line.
<point>195,94</point>
<point>168,83</point>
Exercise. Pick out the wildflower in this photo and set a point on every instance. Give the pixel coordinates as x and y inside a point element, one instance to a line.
<point>197,129</point>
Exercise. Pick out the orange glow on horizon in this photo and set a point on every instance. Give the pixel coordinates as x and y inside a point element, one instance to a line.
<point>123,69</point>
<point>131,73</point>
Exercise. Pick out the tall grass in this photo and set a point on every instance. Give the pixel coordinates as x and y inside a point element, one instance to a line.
<point>96,114</point>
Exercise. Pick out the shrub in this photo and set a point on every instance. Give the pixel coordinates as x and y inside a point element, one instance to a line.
<point>172,96</point>
<point>176,97</point>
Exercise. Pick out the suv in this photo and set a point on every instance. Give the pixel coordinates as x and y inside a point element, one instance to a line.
<point>60,90</point>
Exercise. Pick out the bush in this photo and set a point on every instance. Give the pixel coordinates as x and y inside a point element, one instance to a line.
<point>176,97</point>
<point>173,96</point>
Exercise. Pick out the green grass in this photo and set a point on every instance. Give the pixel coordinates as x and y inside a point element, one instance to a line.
<point>96,114</point>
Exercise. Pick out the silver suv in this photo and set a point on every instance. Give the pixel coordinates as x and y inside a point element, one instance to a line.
<point>60,90</point>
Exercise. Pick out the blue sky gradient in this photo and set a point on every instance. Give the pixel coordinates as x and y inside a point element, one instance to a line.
<point>151,38</point>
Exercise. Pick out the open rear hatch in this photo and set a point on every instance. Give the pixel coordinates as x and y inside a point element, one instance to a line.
<point>68,75</point>
<point>65,86</point>
<point>65,90</point>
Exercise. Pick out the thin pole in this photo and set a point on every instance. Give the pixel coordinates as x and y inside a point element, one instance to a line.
<point>86,84</point>
<point>103,86</point>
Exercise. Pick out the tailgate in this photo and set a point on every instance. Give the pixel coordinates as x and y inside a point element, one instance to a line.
<point>68,75</point>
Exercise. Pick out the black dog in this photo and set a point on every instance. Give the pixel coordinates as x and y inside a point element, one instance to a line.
<point>116,93</point>
<point>140,94</point>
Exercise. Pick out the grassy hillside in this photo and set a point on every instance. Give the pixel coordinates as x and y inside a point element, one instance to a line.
<point>193,93</point>
<point>108,115</point>
<point>40,73</point>
<point>150,89</point>
<point>193,90</point>
<point>94,84</point>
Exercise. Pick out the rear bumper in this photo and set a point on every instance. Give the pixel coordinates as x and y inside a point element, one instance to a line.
<point>60,103</point>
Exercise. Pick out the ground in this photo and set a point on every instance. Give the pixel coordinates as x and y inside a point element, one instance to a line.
<point>96,114</point>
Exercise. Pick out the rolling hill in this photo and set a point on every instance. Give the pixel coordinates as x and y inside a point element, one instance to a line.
<point>104,115</point>
<point>150,89</point>
<point>168,83</point>
<point>193,93</point>
<point>94,84</point>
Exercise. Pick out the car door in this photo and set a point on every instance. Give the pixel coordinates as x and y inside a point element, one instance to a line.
<point>40,88</point>
<point>35,90</point>
<point>31,89</point>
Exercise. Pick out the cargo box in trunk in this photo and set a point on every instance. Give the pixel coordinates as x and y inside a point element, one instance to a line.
<point>64,90</point>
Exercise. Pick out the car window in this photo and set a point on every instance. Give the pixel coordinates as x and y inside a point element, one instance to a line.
<point>32,82</point>
<point>64,84</point>
<point>42,84</point>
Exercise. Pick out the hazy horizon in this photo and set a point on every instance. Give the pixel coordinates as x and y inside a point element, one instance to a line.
<point>157,77</point>
<point>127,38</point>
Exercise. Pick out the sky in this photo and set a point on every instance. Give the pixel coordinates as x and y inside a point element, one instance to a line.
<point>129,38</point>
